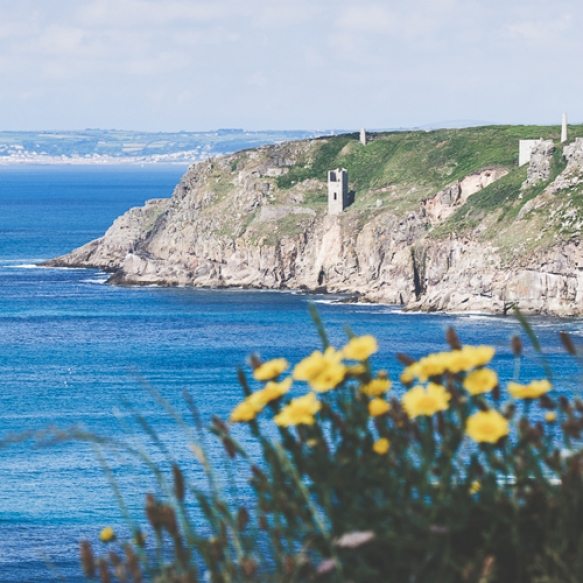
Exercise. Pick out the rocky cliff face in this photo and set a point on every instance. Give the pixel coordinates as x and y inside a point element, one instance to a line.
<point>230,223</point>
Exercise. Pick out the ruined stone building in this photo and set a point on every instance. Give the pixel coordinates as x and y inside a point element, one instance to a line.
<point>339,197</point>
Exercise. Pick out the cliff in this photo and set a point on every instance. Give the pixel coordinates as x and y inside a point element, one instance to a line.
<point>443,220</point>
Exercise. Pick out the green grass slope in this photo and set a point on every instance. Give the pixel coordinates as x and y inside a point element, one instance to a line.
<point>403,168</point>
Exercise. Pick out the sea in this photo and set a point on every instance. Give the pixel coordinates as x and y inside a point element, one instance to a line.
<point>86,367</point>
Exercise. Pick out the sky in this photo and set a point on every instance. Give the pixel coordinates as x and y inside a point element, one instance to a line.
<point>193,65</point>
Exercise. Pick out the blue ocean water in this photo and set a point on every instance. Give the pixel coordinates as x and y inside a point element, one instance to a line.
<point>76,352</point>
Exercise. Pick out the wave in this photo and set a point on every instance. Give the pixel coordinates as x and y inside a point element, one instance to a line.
<point>37,266</point>
<point>24,266</point>
<point>487,317</point>
<point>98,280</point>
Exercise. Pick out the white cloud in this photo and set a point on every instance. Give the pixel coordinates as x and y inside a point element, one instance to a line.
<point>278,14</point>
<point>209,36</point>
<point>542,31</point>
<point>258,79</point>
<point>57,39</point>
<point>366,18</point>
<point>313,58</point>
<point>161,63</point>
<point>133,13</point>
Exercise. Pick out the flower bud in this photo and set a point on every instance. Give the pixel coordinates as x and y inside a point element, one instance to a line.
<point>249,567</point>
<point>404,359</point>
<point>153,512</point>
<point>168,518</point>
<point>568,343</point>
<point>242,518</point>
<point>516,346</point>
<point>452,339</point>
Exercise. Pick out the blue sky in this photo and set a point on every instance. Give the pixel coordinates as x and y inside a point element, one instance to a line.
<point>287,64</point>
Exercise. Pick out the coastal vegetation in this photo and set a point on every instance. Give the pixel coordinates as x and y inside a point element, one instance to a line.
<point>443,475</point>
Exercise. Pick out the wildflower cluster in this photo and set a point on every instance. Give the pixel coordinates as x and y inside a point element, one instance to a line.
<point>443,477</point>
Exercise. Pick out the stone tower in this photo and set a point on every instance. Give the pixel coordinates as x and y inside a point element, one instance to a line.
<point>363,137</point>
<point>564,129</point>
<point>338,197</point>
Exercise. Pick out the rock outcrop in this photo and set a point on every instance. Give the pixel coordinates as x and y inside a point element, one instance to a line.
<point>123,237</point>
<point>228,223</point>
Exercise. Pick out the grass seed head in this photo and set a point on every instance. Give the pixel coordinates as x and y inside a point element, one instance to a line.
<point>153,512</point>
<point>242,518</point>
<point>133,564</point>
<point>178,482</point>
<point>104,574</point>
<point>87,559</point>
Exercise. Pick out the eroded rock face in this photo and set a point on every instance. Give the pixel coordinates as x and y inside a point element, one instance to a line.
<point>466,276</point>
<point>125,235</point>
<point>540,162</point>
<point>224,227</point>
<point>446,201</point>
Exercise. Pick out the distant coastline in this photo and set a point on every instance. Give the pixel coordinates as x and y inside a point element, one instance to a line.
<point>115,147</point>
<point>108,147</point>
<point>178,158</point>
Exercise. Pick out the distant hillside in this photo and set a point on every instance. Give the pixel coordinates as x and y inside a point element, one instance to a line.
<point>99,146</point>
<point>443,220</point>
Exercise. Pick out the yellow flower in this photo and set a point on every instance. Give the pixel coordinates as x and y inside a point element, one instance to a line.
<point>376,387</point>
<point>487,426</point>
<point>300,411</point>
<point>254,403</point>
<point>410,373</point>
<point>381,446</point>
<point>378,407</point>
<point>436,364</point>
<point>470,357</point>
<point>314,364</point>
<point>356,369</point>
<point>329,378</point>
<point>480,381</point>
<point>475,487</point>
<point>360,348</point>
<point>550,416</point>
<point>419,401</point>
<point>270,392</point>
<point>533,390</point>
<point>107,535</point>
<point>312,442</point>
<point>270,369</point>
<point>245,411</point>
<point>432,365</point>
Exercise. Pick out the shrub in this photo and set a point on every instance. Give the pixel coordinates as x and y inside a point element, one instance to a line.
<point>450,482</point>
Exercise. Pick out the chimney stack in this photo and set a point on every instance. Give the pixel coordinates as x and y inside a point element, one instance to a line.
<point>564,129</point>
